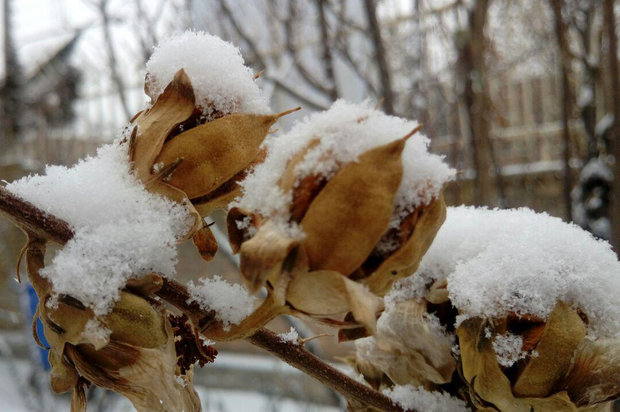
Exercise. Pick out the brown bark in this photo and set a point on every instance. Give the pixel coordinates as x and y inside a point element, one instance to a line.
<point>380,56</point>
<point>566,98</point>
<point>615,85</point>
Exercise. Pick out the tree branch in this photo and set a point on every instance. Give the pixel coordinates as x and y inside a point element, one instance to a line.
<point>29,217</point>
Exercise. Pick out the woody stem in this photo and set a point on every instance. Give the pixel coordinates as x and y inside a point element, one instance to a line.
<point>46,226</point>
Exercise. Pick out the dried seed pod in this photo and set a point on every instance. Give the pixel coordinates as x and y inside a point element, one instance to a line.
<point>178,154</point>
<point>555,377</point>
<point>334,190</point>
<point>131,350</point>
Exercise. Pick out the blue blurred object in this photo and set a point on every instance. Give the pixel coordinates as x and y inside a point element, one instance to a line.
<point>33,300</point>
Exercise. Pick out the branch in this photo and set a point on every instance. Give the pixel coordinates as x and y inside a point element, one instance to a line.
<point>29,217</point>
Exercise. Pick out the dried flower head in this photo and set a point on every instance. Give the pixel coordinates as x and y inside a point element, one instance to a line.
<point>345,203</point>
<point>131,350</point>
<point>536,322</point>
<point>181,154</point>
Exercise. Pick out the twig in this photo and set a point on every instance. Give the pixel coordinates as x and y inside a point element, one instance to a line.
<point>29,217</point>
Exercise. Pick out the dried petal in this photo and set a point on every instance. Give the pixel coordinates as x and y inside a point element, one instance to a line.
<point>172,107</point>
<point>263,255</point>
<point>594,376</point>
<point>350,214</point>
<point>328,293</point>
<point>487,381</point>
<point>214,152</point>
<point>563,332</point>
<point>406,259</point>
<point>205,243</point>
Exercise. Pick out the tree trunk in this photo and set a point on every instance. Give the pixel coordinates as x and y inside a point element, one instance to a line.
<point>10,93</point>
<point>380,56</point>
<point>615,85</point>
<point>475,96</point>
<point>566,98</point>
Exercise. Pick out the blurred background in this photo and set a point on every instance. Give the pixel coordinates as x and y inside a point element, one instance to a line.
<point>519,96</point>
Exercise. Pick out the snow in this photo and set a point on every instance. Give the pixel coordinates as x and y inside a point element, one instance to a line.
<point>96,332</point>
<point>509,349</point>
<point>215,67</point>
<point>290,337</point>
<point>502,261</point>
<point>231,302</point>
<point>411,398</point>
<point>345,131</point>
<point>121,229</point>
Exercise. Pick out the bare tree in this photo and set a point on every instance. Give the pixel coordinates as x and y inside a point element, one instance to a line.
<point>472,74</point>
<point>566,99</point>
<point>615,84</point>
<point>380,56</point>
<point>11,88</point>
<point>102,8</point>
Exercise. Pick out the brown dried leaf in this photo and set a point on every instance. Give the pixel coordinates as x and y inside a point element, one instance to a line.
<point>214,152</point>
<point>563,332</point>
<point>172,107</point>
<point>205,243</point>
<point>404,261</point>
<point>350,214</point>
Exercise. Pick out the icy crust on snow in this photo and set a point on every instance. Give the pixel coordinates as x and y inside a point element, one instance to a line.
<point>343,132</point>
<point>409,397</point>
<point>121,229</point>
<point>501,261</point>
<point>214,66</point>
<point>231,302</point>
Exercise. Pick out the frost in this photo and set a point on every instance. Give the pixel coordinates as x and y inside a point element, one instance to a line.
<point>346,131</point>
<point>502,261</point>
<point>290,337</point>
<point>509,349</point>
<point>411,398</point>
<point>216,69</point>
<point>121,229</point>
<point>231,302</point>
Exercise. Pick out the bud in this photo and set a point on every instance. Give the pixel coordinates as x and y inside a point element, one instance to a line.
<point>345,203</point>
